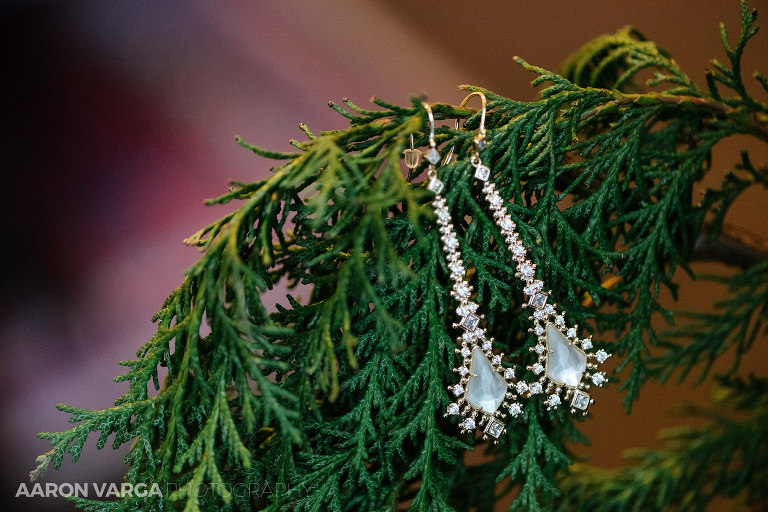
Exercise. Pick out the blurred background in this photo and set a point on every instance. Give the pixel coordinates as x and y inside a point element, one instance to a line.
<point>119,120</point>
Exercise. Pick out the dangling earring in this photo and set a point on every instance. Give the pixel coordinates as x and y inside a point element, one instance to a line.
<point>563,359</point>
<point>483,388</point>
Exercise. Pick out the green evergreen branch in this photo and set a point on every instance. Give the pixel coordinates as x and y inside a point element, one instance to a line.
<point>707,336</point>
<point>726,458</point>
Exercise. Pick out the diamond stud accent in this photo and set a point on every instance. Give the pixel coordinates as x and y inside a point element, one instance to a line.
<point>482,173</point>
<point>580,400</point>
<point>433,156</point>
<point>453,409</point>
<point>435,185</point>
<point>538,300</point>
<point>469,322</point>
<point>494,428</point>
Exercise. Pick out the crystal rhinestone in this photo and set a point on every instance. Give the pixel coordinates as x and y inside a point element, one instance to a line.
<point>559,321</point>
<point>507,224</point>
<point>539,330</point>
<point>458,390</point>
<point>580,400</point>
<point>538,300</point>
<point>443,215</point>
<point>453,408</point>
<point>566,363</point>
<point>461,288</point>
<point>598,379</point>
<point>482,173</point>
<point>509,373</point>
<point>586,344</point>
<point>521,387</point>
<point>469,423</point>
<point>494,199</point>
<point>494,428</point>
<point>435,185</point>
<point>571,332</point>
<point>487,345</point>
<point>464,309</point>
<point>496,360</point>
<point>465,352</point>
<point>537,368</point>
<point>533,287</point>
<point>549,309</point>
<point>536,388</point>
<point>463,371</point>
<point>480,142</point>
<point>540,349</point>
<point>469,322</point>
<point>432,155</point>
<point>601,355</point>
<point>450,240</point>
<point>485,389</point>
<point>526,269</point>
<point>553,400</point>
<point>540,314</point>
<point>518,251</point>
<point>515,409</point>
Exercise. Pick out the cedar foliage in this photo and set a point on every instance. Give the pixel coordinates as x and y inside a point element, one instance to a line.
<point>336,400</point>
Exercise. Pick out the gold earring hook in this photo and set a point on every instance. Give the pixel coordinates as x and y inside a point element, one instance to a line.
<point>480,139</point>
<point>431,124</point>
<point>482,111</point>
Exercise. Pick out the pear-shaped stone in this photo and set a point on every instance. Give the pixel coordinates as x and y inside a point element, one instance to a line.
<point>486,388</point>
<point>566,363</point>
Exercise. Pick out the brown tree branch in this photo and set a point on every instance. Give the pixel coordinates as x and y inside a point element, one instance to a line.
<point>733,246</point>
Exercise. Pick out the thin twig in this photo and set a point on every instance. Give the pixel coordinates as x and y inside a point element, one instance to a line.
<point>733,246</point>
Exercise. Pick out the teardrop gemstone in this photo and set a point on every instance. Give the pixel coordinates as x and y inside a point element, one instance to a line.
<point>566,363</point>
<point>486,388</point>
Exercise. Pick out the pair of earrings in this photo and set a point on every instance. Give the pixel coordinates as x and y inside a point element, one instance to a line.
<point>487,390</point>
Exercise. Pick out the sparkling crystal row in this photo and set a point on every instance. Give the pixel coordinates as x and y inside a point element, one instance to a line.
<point>563,368</point>
<point>486,388</point>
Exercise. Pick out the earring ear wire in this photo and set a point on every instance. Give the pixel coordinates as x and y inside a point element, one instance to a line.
<point>479,140</point>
